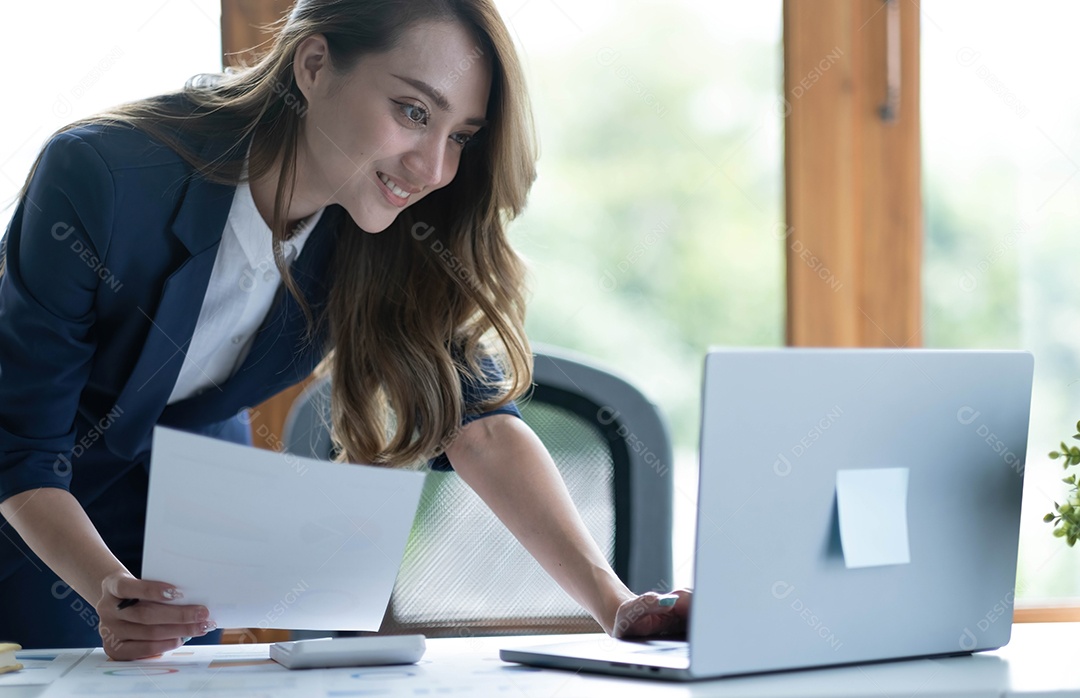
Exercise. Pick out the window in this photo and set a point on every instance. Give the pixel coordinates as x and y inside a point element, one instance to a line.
<point>68,60</point>
<point>651,230</point>
<point>1000,160</point>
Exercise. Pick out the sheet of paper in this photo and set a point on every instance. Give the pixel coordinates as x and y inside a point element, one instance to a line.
<point>41,667</point>
<point>872,507</point>
<point>271,540</point>
<point>467,668</point>
<point>233,671</point>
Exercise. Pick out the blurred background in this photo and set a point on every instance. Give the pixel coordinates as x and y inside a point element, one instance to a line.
<point>657,225</point>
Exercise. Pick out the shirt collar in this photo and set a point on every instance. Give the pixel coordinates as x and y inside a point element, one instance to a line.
<point>254,235</point>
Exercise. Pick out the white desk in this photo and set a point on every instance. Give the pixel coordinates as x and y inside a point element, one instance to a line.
<point>1040,661</point>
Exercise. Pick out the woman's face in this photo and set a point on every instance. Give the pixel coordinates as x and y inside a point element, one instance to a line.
<point>392,130</point>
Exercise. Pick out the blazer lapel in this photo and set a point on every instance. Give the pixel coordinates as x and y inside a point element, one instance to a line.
<point>198,224</point>
<point>281,354</point>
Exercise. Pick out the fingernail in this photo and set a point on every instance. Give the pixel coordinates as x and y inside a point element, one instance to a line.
<point>202,614</point>
<point>208,626</point>
<point>184,640</point>
<point>668,600</point>
<point>172,594</point>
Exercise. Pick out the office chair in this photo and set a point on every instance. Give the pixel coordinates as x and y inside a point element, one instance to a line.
<point>464,574</point>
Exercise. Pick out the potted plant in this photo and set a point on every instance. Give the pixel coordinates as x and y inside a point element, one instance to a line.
<point>1066,520</point>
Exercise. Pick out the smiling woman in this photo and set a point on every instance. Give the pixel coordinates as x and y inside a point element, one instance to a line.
<point>368,164</point>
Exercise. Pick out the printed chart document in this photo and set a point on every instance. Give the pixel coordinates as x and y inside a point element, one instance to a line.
<point>41,667</point>
<point>453,667</point>
<point>236,671</point>
<point>271,540</point>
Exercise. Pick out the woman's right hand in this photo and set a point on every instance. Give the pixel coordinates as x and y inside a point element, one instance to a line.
<point>149,627</point>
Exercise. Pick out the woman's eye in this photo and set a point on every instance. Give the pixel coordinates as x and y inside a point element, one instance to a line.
<point>414,113</point>
<point>462,139</point>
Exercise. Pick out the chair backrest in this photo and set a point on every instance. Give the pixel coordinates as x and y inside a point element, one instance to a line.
<point>464,574</point>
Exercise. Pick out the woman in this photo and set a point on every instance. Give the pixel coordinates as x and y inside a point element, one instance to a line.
<point>139,284</point>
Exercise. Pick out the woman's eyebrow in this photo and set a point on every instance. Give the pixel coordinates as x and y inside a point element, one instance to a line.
<point>438,98</point>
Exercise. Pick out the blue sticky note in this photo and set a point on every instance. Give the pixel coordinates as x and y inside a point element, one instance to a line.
<point>872,507</point>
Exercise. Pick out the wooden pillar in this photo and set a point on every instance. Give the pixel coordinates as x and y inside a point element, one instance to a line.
<point>854,210</point>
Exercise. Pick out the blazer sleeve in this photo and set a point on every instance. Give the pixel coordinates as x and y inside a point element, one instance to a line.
<point>53,250</point>
<point>473,392</point>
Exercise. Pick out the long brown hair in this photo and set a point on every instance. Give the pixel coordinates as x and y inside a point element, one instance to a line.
<point>437,296</point>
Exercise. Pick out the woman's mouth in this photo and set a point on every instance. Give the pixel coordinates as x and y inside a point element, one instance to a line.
<point>395,194</point>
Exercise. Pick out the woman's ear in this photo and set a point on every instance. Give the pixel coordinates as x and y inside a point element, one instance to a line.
<point>311,65</point>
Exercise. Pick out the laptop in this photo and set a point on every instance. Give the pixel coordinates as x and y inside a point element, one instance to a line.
<point>854,505</point>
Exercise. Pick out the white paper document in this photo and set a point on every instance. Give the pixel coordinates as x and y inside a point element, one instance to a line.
<point>271,540</point>
<point>872,507</point>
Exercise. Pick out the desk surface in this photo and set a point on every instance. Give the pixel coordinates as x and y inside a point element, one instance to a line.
<point>1040,661</point>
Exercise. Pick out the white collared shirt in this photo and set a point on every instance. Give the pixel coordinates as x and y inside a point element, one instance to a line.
<point>242,287</point>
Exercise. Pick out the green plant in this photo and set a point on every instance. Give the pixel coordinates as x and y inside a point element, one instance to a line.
<point>1067,519</point>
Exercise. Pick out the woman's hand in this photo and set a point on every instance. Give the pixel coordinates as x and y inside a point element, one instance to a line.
<point>643,616</point>
<point>150,626</point>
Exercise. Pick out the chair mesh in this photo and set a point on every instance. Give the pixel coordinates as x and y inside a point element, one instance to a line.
<point>464,573</point>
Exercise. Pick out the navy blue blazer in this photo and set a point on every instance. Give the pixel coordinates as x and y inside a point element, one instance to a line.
<point>107,261</point>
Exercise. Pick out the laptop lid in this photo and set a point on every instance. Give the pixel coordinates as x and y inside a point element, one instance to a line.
<point>856,505</point>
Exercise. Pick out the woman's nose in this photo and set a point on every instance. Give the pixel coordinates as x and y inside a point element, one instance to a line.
<point>427,163</point>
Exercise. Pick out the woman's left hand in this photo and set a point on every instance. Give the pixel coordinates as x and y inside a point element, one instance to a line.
<point>643,616</point>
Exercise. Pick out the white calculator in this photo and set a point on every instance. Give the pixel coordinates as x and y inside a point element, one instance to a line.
<point>349,651</point>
